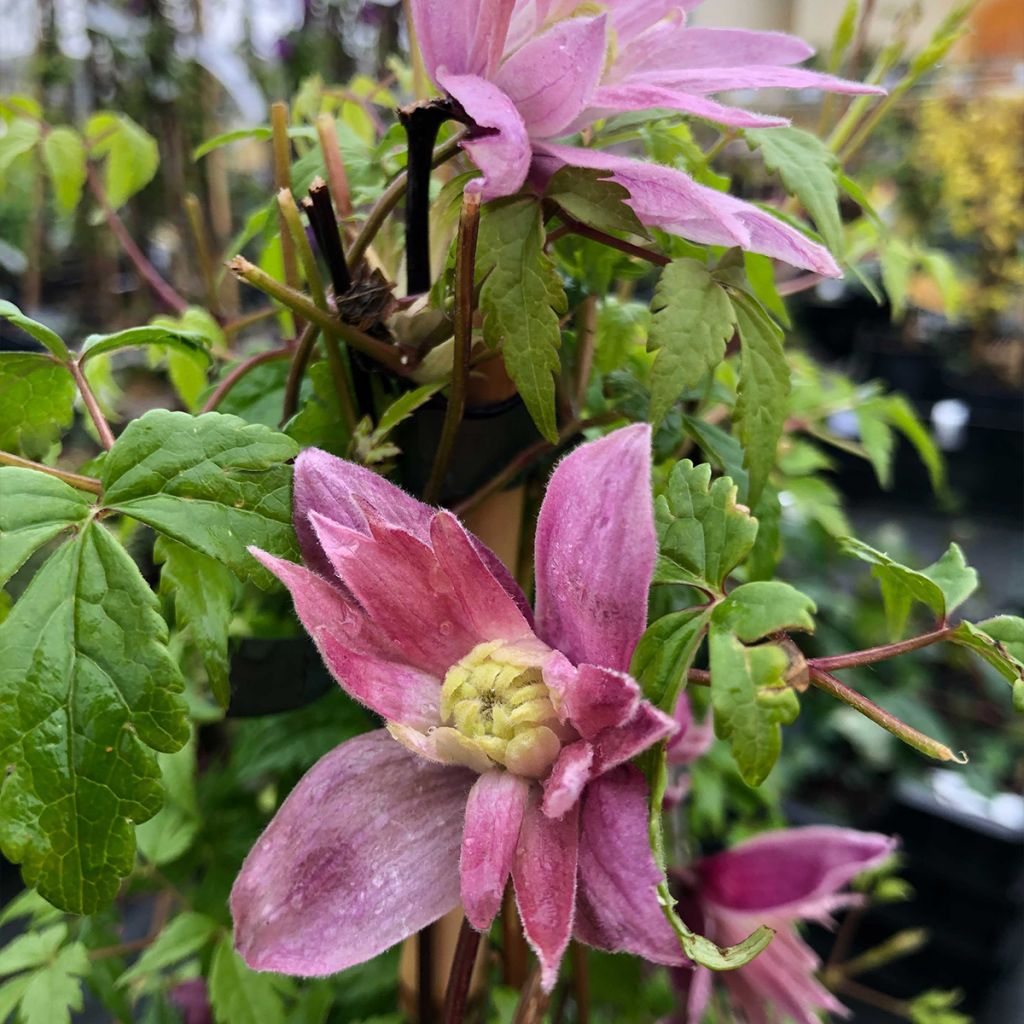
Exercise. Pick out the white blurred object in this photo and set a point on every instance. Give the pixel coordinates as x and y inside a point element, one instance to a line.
<point>950,417</point>
<point>954,791</point>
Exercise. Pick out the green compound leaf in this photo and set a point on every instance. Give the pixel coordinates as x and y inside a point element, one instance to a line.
<point>87,687</point>
<point>47,338</point>
<point>213,483</point>
<point>702,533</point>
<point>693,319</point>
<point>37,403</point>
<point>52,992</point>
<point>942,586</point>
<point>239,995</point>
<point>591,197</point>
<point>763,392</point>
<point>183,937</point>
<point>191,343</point>
<point>665,653</point>
<point>756,610</point>
<point>521,299</point>
<point>808,169</point>
<point>34,508</point>
<point>64,156</point>
<point>131,155</point>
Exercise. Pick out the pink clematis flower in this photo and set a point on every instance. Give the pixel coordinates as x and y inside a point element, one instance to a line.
<point>528,72</point>
<point>507,739</point>
<point>775,879</point>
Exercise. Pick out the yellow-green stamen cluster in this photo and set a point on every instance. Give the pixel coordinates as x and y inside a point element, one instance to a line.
<point>498,712</point>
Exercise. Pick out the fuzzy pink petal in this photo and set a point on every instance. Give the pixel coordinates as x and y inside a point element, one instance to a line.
<point>570,774</point>
<point>486,604</point>
<point>502,149</point>
<point>465,37</point>
<point>494,815</point>
<point>550,78</point>
<point>793,872</point>
<point>354,651</point>
<point>599,698</point>
<point>544,875</point>
<point>404,590</point>
<point>618,745</point>
<point>363,853</point>
<point>617,903</point>
<point>595,549</point>
<point>629,18</point>
<point>706,80</point>
<point>628,96</point>
<point>693,739</point>
<point>661,196</point>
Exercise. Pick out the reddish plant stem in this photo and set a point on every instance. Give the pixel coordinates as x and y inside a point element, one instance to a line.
<point>457,995</point>
<point>575,227</point>
<point>163,291</point>
<point>82,483</point>
<point>300,360</point>
<point>580,982</point>
<point>881,653</point>
<point>802,283</point>
<point>240,371</point>
<point>92,406</point>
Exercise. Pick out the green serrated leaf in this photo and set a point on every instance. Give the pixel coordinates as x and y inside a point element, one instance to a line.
<point>34,508</point>
<point>843,35</point>
<point>20,137</point>
<point>521,299</point>
<point>239,995</point>
<point>404,406</point>
<point>876,435</point>
<point>902,416</point>
<point>183,937</point>
<point>213,483</point>
<point>664,654</point>
<point>47,338</point>
<point>953,576</point>
<point>701,530</point>
<point>756,610</point>
<point>319,422</point>
<point>11,993</point>
<point>808,169</point>
<point>189,342</point>
<point>1000,641</point>
<point>591,197</point>
<point>86,688</point>
<point>693,319</point>
<point>55,990</point>
<point>38,402</point>
<point>130,154</point>
<point>28,903</point>
<point>64,156</point>
<point>761,399</point>
<point>32,949</point>
<point>204,592</point>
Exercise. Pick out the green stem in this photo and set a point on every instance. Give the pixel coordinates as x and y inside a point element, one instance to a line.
<point>82,483</point>
<point>282,149</point>
<point>92,406</point>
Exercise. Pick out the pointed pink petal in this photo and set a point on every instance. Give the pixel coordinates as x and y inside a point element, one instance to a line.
<point>486,604</point>
<point>563,786</point>
<point>616,746</point>
<point>502,149</point>
<point>599,698</point>
<point>550,78</point>
<point>693,739</point>
<point>617,905</point>
<point>704,80</point>
<point>544,875</point>
<point>494,815</point>
<point>363,853</point>
<point>631,17</point>
<point>790,872</point>
<point>627,96</point>
<point>465,37</point>
<point>354,651</point>
<point>595,549</point>
<point>404,590</point>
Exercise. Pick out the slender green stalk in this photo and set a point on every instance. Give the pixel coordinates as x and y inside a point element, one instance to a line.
<point>240,371</point>
<point>76,480</point>
<point>197,224</point>
<point>282,149</point>
<point>92,406</point>
<point>295,229</point>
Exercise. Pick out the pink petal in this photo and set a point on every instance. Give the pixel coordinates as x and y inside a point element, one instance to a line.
<point>544,875</point>
<point>550,78</point>
<point>616,99</point>
<point>363,853</point>
<point>595,549</point>
<point>502,150</point>
<point>486,604</point>
<point>599,698</point>
<point>617,905</point>
<point>571,772</point>
<point>354,651</point>
<point>404,590</point>
<point>494,815</point>
<point>616,746</point>
<point>631,17</point>
<point>704,80</point>
<point>465,37</point>
<point>791,872</point>
<point>693,739</point>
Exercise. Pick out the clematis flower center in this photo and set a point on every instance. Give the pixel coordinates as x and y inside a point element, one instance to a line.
<point>497,711</point>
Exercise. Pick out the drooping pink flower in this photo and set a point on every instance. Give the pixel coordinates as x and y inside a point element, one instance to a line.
<point>528,72</point>
<point>775,879</point>
<point>508,739</point>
